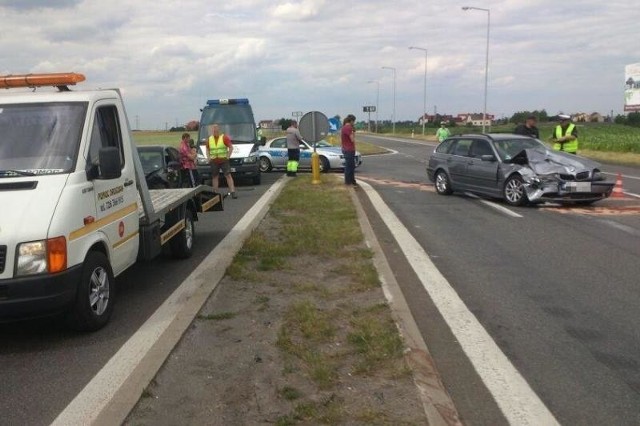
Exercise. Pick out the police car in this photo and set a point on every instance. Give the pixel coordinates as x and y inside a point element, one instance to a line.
<point>273,155</point>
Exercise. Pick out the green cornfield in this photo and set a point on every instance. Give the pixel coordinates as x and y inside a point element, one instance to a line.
<point>603,137</point>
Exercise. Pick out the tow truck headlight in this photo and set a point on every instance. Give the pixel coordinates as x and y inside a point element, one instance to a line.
<point>38,257</point>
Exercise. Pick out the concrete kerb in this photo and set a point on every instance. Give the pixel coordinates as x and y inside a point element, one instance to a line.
<point>436,401</point>
<point>110,396</point>
<point>113,392</point>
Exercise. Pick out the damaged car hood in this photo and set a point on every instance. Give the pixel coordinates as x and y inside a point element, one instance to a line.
<point>550,162</point>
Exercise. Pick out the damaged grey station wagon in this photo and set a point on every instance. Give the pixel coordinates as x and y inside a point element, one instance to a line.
<point>517,169</point>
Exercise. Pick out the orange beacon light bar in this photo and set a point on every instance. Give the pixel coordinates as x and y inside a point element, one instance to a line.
<point>37,80</point>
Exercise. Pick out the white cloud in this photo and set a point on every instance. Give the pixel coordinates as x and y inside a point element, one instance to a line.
<point>302,10</point>
<point>169,57</point>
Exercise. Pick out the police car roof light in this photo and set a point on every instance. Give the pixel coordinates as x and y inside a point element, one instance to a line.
<point>38,80</point>
<point>228,101</point>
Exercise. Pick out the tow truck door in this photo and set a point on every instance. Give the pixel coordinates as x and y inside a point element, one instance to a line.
<point>116,199</point>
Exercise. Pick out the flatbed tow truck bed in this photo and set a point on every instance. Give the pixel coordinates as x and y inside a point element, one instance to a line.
<point>165,200</point>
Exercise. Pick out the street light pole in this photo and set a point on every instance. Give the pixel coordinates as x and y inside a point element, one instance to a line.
<point>486,63</point>
<point>394,98</point>
<point>424,106</point>
<point>377,100</point>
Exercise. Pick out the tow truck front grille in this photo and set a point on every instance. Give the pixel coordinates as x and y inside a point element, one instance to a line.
<point>3,257</point>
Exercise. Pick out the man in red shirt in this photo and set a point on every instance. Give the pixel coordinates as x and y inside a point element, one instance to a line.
<point>219,149</point>
<point>348,136</point>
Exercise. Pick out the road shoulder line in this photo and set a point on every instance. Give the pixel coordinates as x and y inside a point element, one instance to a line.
<point>515,398</point>
<point>436,401</point>
<point>113,392</point>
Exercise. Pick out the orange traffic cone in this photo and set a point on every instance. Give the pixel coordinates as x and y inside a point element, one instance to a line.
<point>617,189</point>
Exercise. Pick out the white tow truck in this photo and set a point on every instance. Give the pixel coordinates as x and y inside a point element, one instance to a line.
<point>75,210</point>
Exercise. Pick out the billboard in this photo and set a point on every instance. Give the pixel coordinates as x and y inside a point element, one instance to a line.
<point>632,87</point>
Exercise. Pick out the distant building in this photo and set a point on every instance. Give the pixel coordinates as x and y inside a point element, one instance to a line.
<point>267,124</point>
<point>430,118</point>
<point>583,117</point>
<point>474,119</point>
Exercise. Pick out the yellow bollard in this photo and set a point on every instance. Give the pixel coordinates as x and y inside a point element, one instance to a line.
<point>315,168</point>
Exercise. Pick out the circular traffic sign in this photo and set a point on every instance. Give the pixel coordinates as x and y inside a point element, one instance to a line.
<point>314,126</point>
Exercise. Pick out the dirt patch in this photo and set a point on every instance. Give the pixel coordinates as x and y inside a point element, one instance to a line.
<point>307,341</point>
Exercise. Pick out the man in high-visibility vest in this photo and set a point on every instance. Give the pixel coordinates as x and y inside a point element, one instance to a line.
<point>219,149</point>
<point>442,133</point>
<point>293,148</point>
<point>565,135</point>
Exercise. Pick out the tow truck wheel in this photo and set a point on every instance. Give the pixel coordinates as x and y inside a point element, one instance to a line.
<point>182,244</point>
<point>96,294</point>
<point>257,179</point>
<point>514,192</point>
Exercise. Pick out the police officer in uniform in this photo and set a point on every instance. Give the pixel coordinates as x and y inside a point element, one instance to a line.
<point>565,135</point>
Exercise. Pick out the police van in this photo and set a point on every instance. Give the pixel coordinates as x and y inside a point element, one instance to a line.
<point>235,119</point>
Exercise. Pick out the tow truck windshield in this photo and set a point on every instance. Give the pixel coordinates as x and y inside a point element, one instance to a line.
<point>40,138</point>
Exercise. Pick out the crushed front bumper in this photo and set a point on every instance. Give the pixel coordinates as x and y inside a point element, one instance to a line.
<point>567,191</point>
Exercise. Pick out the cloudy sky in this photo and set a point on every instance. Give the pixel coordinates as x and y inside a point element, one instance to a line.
<point>170,56</point>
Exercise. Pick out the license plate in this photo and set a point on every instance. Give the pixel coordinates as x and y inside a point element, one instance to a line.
<point>233,169</point>
<point>577,186</point>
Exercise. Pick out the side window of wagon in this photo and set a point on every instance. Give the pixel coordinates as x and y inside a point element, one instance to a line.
<point>443,148</point>
<point>461,147</point>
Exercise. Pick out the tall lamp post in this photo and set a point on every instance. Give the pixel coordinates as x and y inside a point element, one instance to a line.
<point>394,98</point>
<point>486,63</point>
<point>377,100</point>
<point>424,106</point>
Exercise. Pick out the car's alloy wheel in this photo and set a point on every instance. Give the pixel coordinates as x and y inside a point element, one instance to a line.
<point>265,165</point>
<point>514,191</point>
<point>443,186</point>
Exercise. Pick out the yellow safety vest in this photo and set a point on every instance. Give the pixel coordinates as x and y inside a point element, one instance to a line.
<point>217,148</point>
<point>570,146</point>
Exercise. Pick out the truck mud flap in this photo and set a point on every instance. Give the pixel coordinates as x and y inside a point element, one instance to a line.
<point>209,201</point>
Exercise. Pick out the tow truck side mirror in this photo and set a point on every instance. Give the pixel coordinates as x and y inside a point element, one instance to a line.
<point>263,140</point>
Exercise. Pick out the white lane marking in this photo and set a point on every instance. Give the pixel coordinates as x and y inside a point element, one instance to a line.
<point>496,206</point>
<point>391,151</point>
<point>96,395</point>
<point>624,176</point>
<point>631,194</point>
<point>517,401</point>
<point>425,143</point>
<point>621,227</point>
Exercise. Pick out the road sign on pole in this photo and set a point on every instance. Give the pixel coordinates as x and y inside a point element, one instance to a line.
<point>314,126</point>
<point>369,109</point>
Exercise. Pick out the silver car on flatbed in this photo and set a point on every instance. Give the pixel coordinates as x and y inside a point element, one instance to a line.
<point>518,169</point>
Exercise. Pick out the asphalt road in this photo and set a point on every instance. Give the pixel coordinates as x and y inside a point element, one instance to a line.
<point>43,366</point>
<point>556,289</point>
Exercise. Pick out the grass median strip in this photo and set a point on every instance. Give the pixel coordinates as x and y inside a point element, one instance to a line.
<point>340,355</point>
